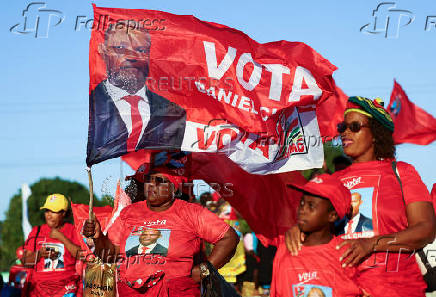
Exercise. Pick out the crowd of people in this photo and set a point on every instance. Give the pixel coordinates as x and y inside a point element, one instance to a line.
<point>356,231</point>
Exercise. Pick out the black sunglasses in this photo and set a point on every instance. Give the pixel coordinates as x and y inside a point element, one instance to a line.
<point>354,127</point>
<point>156,180</point>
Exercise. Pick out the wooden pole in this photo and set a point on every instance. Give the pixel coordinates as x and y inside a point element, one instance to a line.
<point>91,193</point>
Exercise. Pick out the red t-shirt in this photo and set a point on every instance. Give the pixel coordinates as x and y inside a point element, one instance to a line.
<point>181,228</point>
<point>316,269</point>
<point>388,274</point>
<point>61,267</point>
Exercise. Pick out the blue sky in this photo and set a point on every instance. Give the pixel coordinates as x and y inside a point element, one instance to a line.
<point>44,102</point>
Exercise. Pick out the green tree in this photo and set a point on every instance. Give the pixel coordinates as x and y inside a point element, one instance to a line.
<point>12,234</point>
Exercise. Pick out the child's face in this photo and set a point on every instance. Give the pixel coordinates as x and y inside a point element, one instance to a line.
<point>313,213</point>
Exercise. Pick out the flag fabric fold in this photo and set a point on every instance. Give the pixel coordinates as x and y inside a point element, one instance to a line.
<point>165,81</point>
<point>331,112</point>
<point>412,123</point>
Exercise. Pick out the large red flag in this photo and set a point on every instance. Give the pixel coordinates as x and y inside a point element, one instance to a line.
<point>412,123</point>
<point>330,112</point>
<point>164,81</point>
<point>264,201</point>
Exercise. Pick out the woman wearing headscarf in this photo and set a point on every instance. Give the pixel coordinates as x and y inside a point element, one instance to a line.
<point>51,251</point>
<point>393,197</point>
<point>156,241</point>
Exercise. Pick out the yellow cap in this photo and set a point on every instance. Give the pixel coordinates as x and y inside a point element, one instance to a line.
<point>55,203</point>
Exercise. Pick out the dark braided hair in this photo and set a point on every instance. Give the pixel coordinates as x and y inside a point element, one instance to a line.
<point>384,147</point>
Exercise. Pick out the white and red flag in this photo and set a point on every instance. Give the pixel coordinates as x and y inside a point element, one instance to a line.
<point>165,81</point>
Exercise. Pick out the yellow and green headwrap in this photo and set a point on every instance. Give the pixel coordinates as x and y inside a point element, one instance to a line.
<point>371,108</point>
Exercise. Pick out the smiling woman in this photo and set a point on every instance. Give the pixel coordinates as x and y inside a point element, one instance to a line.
<point>392,196</point>
<point>159,240</point>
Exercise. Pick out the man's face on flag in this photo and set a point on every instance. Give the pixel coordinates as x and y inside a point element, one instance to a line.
<point>127,58</point>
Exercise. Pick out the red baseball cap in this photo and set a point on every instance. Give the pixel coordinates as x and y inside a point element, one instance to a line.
<point>329,187</point>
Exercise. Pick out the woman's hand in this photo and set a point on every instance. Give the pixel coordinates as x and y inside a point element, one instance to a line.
<point>357,250</point>
<point>294,239</point>
<point>196,273</point>
<point>56,234</point>
<point>92,229</point>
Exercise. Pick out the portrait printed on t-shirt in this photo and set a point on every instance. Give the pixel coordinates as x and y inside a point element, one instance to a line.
<point>308,290</point>
<point>55,261</point>
<point>361,222</point>
<point>146,240</point>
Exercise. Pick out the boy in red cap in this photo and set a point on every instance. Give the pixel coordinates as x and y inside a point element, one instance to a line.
<point>316,270</point>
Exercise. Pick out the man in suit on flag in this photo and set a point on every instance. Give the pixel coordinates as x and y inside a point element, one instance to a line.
<point>124,114</point>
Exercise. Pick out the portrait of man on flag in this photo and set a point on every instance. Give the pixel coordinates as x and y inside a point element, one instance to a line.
<point>124,114</point>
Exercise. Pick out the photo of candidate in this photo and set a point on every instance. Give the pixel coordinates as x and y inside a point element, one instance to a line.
<point>148,244</point>
<point>358,222</point>
<point>316,292</point>
<point>124,114</point>
<point>55,260</point>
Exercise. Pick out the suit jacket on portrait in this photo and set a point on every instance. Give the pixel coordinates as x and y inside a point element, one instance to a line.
<point>59,265</point>
<point>157,250</point>
<point>364,224</point>
<point>107,135</point>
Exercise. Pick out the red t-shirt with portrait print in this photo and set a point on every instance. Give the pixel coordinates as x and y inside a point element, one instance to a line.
<point>61,267</point>
<point>316,269</point>
<point>181,229</point>
<point>386,274</point>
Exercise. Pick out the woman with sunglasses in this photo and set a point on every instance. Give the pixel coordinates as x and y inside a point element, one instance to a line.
<point>155,241</point>
<point>393,196</point>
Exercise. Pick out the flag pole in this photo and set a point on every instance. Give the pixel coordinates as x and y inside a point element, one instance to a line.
<point>91,192</point>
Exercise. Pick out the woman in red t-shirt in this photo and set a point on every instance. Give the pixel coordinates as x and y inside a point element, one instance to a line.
<point>155,241</point>
<point>390,220</point>
<point>50,250</point>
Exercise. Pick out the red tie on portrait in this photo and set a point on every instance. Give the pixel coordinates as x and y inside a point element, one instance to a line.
<point>143,250</point>
<point>350,225</point>
<point>132,141</point>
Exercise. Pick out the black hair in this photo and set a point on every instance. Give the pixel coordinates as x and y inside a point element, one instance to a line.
<point>384,146</point>
<point>135,190</point>
<point>203,198</point>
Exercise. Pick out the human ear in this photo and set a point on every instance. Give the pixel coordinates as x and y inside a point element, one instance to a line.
<point>333,216</point>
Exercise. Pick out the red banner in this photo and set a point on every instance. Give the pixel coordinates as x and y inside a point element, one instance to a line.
<point>217,90</point>
<point>412,123</point>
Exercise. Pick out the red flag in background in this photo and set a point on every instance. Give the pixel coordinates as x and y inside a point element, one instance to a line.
<point>412,123</point>
<point>264,201</point>
<point>330,112</point>
<point>81,214</point>
<point>121,200</point>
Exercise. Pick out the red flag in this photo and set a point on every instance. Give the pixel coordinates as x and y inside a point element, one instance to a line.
<point>81,214</point>
<point>330,112</point>
<point>136,159</point>
<point>121,200</point>
<point>412,123</point>
<point>164,81</point>
<point>264,201</point>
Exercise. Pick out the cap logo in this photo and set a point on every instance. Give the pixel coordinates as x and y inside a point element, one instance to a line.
<point>53,198</point>
<point>316,180</point>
